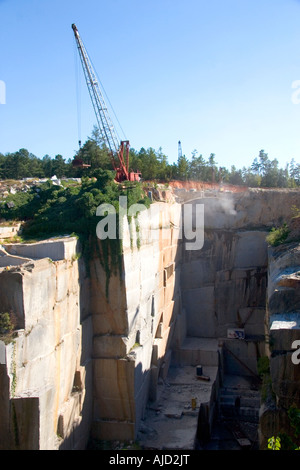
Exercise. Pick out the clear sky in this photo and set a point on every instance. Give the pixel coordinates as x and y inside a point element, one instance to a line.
<point>216,75</point>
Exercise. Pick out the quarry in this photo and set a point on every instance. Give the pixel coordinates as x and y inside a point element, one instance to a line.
<point>166,350</point>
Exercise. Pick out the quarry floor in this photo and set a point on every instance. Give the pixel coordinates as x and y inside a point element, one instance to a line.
<point>171,421</point>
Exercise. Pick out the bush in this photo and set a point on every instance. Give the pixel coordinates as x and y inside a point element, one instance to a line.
<point>7,326</point>
<point>277,236</point>
<point>284,441</point>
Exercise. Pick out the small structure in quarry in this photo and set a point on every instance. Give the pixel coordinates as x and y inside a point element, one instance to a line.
<point>170,350</point>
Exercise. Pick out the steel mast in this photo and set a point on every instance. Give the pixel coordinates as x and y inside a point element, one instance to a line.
<point>179,149</point>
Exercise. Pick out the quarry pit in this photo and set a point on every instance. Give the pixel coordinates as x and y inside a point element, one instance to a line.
<point>166,351</point>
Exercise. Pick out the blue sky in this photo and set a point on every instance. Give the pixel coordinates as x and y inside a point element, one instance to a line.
<point>216,75</point>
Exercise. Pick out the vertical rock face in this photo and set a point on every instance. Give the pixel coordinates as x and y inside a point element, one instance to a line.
<point>43,368</point>
<point>224,284</point>
<point>134,321</point>
<point>123,319</point>
<point>283,328</point>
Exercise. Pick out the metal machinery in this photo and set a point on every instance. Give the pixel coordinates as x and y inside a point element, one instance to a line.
<point>119,153</point>
<point>179,149</point>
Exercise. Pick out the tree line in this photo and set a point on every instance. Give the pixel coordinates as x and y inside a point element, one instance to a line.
<point>154,165</point>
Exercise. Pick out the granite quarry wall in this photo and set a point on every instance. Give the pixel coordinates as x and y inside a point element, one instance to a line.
<point>223,285</point>
<point>133,324</point>
<point>46,370</point>
<point>87,359</point>
<point>282,346</point>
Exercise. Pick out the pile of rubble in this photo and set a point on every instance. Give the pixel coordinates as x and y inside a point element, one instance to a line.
<point>9,230</point>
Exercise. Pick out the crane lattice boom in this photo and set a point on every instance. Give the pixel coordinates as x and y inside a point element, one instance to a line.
<point>104,122</point>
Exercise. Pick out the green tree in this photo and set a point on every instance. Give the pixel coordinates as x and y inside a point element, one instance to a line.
<point>183,168</point>
<point>21,164</point>
<point>251,178</point>
<point>213,167</point>
<point>162,165</point>
<point>255,167</point>
<point>223,175</point>
<point>270,174</point>
<point>266,173</point>
<point>93,155</point>
<point>59,166</point>
<point>263,162</point>
<point>47,165</point>
<point>2,162</point>
<point>294,173</point>
<point>283,177</point>
<point>148,163</point>
<point>236,176</point>
<point>197,167</point>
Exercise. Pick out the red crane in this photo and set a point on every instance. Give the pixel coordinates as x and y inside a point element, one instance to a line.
<point>119,153</point>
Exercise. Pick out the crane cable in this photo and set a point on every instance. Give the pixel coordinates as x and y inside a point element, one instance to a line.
<point>78,95</point>
<point>78,92</point>
<point>108,101</point>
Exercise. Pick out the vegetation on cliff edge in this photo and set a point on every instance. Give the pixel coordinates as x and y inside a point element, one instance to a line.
<point>49,210</point>
<point>287,232</point>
